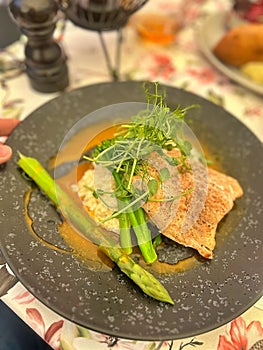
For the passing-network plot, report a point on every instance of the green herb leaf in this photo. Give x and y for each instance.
(152, 187)
(164, 174)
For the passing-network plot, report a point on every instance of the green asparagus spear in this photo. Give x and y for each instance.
(138, 222)
(125, 236)
(143, 234)
(146, 281)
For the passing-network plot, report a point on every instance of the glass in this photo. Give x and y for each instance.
(156, 28)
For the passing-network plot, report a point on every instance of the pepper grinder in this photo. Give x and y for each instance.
(45, 60)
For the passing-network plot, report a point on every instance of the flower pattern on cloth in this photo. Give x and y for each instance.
(78, 338)
(180, 65)
(36, 315)
(159, 66)
(24, 298)
(51, 334)
(239, 336)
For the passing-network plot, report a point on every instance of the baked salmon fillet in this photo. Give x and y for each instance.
(202, 197)
(187, 206)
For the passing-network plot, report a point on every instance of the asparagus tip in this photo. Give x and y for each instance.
(20, 155)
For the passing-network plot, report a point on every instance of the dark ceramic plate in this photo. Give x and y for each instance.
(207, 296)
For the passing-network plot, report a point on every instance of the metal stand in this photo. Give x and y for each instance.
(113, 70)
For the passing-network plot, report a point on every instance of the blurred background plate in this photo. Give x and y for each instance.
(209, 32)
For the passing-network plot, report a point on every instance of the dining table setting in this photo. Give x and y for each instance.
(66, 70)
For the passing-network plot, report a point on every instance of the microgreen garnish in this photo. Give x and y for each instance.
(126, 155)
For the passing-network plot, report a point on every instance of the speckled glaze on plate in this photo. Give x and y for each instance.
(206, 297)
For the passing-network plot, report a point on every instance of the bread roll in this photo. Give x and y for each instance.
(241, 45)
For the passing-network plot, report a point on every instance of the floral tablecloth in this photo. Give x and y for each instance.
(180, 64)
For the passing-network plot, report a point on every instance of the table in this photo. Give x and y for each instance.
(180, 64)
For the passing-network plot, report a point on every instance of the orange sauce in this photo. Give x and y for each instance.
(83, 141)
(164, 268)
(85, 250)
(29, 222)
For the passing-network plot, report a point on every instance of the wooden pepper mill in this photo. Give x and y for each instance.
(44, 58)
